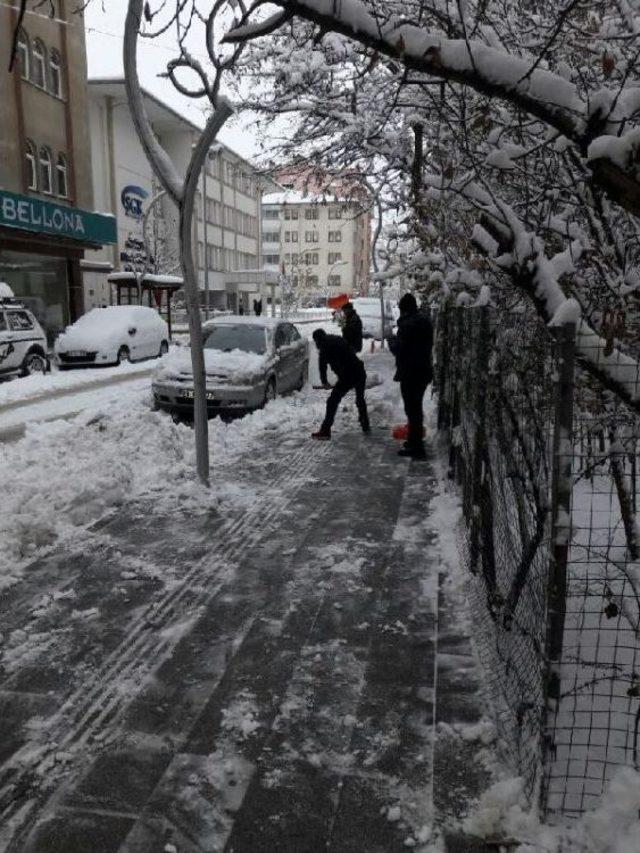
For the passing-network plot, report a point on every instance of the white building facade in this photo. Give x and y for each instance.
(321, 244)
(226, 230)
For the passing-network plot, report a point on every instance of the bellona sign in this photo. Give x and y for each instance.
(28, 213)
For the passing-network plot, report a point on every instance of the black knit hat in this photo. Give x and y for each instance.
(319, 335)
(408, 304)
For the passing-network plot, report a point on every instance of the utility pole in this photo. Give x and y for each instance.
(204, 236)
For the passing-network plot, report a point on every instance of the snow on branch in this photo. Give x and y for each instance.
(522, 255)
(489, 70)
(157, 156)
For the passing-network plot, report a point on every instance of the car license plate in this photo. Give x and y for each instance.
(189, 394)
(76, 353)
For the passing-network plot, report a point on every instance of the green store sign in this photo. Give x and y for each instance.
(29, 213)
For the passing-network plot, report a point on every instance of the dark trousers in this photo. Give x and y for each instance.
(412, 391)
(340, 389)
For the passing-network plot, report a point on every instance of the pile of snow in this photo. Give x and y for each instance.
(5, 291)
(612, 827)
(65, 475)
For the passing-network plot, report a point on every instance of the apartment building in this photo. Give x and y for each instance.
(321, 242)
(226, 231)
(47, 218)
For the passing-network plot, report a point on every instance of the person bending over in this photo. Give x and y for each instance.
(335, 352)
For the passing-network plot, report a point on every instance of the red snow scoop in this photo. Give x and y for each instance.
(401, 432)
(336, 302)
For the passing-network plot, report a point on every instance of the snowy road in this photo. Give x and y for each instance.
(15, 419)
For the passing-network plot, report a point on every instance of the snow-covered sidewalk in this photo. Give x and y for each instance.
(253, 666)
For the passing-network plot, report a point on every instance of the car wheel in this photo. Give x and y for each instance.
(304, 377)
(124, 355)
(33, 363)
(270, 392)
(164, 349)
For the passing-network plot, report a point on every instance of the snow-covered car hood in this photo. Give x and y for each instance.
(235, 366)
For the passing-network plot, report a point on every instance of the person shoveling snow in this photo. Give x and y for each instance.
(335, 352)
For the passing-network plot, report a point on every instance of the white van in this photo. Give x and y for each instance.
(23, 343)
(368, 309)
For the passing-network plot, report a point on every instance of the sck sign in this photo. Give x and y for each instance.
(132, 198)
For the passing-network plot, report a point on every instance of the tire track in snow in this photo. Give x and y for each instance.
(98, 702)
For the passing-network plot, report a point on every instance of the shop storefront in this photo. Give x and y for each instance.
(41, 246)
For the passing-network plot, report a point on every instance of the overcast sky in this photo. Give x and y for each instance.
(104, 56)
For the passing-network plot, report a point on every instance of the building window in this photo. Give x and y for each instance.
(271, 237)
(291, 213)
(335, 236)
(272, 214)
(335, 213)
(55, 73)
(312, 280)
(45, 170)
(272, 259)
(334, 281)
(312, 213)
(39, 64)
(311, 236)
(61, 174)
(23, 54)
(32, 171)
(294, 259)
(311, 259)
(229, 173)
(334, 257)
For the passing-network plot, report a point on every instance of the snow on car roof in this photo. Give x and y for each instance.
(112, 316)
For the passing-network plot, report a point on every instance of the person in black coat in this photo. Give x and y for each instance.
(257, 307)
(352, 327)
(412, 349)
(335, 352)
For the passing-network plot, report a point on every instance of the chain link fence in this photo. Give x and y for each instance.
(546, 467)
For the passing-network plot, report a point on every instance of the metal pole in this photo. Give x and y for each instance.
(204, 236)
(561, 489)
(381, 315)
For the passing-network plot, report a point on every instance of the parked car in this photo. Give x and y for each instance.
(23, 343)
(248, 361)
(368, 309)
(112, 335)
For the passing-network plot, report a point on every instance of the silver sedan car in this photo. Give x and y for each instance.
(248, 361)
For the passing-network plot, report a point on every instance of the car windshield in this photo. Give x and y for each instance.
(228, 337)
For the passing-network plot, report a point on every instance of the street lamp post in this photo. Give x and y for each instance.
(211, 153)
(204, 237)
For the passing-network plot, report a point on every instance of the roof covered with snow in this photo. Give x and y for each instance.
(297, 197)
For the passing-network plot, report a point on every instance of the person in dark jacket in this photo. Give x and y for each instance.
(352, 327)
(412, 349)
(335, 352)
(257, 307)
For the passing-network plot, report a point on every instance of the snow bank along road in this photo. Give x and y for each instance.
(273, 665)
(44, 398)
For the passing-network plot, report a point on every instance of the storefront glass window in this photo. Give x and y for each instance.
(41, 283)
